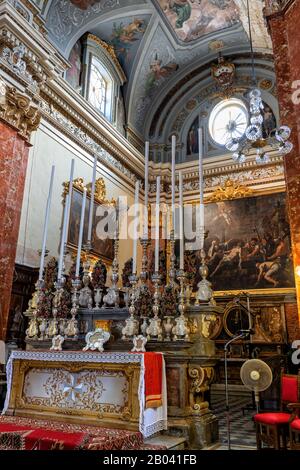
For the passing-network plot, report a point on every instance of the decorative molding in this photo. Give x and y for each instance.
(229, 191)
(217, 177)
(18, 111)
(84, 140)
(20, 61)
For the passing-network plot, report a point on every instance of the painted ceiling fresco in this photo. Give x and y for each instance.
(193, 19)
(158, 42)
(125, 35)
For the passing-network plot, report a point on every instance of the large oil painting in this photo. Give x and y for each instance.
(192, 19)
(248, 244)
(102, 248)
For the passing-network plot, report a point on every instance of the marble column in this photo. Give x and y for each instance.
(18, 118)
(285, 33)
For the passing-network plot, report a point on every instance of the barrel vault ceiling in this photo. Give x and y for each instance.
(161, 44)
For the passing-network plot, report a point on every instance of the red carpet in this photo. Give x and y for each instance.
(31, 434)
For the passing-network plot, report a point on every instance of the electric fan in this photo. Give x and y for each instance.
(257, 376)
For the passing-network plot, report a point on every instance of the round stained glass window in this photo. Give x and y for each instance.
(228, 120)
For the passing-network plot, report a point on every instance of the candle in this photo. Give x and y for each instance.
(70, 192)
(91, 213)
(80, 233)
(156, 269)
(146, 190)
(46, 224)
(135, 225)
(63, 237)
(173, 178)
(181, 222)
(201, 186)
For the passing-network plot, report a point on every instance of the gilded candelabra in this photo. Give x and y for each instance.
(144, 271)
(172, 270)
(205, 292)
(32, 331)
(71, 329)
(53, 324)
(112, 298)
(131, 327)
(181, 330)
(154, 330)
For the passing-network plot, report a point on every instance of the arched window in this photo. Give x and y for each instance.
(100, 87)
(96, 73)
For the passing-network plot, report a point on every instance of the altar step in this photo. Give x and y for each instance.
(167, 442)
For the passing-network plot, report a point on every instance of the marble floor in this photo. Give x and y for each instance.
(242, 430)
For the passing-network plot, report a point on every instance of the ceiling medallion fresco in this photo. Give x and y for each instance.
(193, 19)
(84, 4)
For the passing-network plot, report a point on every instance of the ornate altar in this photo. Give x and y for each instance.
(104, 389)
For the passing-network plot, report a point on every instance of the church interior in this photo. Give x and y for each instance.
(150, 225)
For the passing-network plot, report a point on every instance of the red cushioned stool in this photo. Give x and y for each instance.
(295, 426)
(273, 428)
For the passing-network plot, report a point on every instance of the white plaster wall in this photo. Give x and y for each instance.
(51, 147)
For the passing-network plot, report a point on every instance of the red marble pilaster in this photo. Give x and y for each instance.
(13, 163)
(284, 28)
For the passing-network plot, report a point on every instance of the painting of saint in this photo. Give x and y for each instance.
(73, 74)
(248, 244)
(100, 247)
(192, 19)
(158, 71)
(192, 146)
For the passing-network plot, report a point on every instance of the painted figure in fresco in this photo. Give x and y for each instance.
(183, 10)
(124, 36)
(158, 71)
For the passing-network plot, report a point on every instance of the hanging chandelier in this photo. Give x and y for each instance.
(254, 138)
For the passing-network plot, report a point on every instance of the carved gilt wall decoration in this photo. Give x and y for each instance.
(230, 190)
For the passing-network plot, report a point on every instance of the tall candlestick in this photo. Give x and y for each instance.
(157, 224)
(173, 178)
(136, 222)
(200, 140)
(63, 237)
(91, 213)
(80, 233)
(46, 224)
(70, 194)
(181, 222)
(146, 190)
(201, 187)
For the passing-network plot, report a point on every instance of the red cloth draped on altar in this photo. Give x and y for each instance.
(153, 379)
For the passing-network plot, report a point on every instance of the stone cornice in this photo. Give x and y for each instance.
(39, 53)
(63, 97)
(17, 110)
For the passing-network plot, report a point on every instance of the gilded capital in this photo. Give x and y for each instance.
(18, 110)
